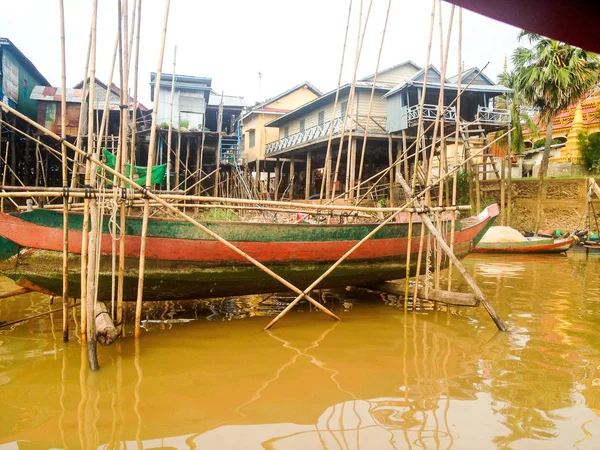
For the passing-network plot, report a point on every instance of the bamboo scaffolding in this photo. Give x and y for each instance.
(63, 135)
(150, 195)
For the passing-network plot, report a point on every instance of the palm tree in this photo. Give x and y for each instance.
(550, 77)
(519, 114)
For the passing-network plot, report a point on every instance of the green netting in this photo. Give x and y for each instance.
(139, 172)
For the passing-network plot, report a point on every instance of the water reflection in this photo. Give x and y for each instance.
(380, 379)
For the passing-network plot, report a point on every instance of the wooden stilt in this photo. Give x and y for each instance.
(292, 177)
(308, 175)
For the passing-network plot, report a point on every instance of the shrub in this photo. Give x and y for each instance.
(542, 143)
(184, 124)
(164, 125)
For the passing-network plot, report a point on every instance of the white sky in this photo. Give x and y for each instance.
(288, 41)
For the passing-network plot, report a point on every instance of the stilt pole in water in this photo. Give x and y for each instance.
(151, 153)
(88, 259)
(63, 135)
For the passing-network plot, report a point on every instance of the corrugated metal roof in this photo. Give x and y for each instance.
(233, 101)
(53, 94)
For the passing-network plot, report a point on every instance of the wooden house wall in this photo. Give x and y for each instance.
(312, 117)
(398, 75)
(49, 116)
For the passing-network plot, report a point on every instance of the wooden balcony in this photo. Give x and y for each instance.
(320, 132)
(492, 116)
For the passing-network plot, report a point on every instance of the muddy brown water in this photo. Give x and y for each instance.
(380, 379)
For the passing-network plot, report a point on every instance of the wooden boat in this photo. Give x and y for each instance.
(182, 262)
(530, 245)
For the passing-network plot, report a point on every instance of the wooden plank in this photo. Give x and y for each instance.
(437, 295)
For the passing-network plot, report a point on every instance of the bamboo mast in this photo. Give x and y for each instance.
(350, 104)
(151, 153)
(416, 159)
(135, 87)
(91, 212)
(326, 180)
(169, 136)
(122, 158)
(364, 146)
(63, 148)
(455, 176)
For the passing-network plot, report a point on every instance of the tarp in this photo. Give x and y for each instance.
(139, 172)
(502, 234)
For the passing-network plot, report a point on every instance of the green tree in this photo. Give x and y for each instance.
(551, 75)
(589, 144)
(519, 114)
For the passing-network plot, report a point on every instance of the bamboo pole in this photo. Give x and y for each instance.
(170, 132)
(364, 146)
(420, 133)
(4, 172)
(326, 180)
(78, 140)
(90, 238)
(455, 176)
(135, 88)
(351, 99)
(121, 163)
(63, 148)
(151, 152)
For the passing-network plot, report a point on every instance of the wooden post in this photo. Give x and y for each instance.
(391, 176)
(502, 192)
(218, 151)
(509, 180)
(352, 178)
(151, 153)
(63, 135)
(178, 159)
(169, 136)
(277, 178)
(477, 187)
(308, 175)
(292, 177)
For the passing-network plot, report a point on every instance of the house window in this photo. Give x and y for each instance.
(286, 131)
(321, 119)
(251, 139)
(344, 108)
(302, 125)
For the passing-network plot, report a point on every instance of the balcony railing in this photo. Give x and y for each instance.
(430, 112)
(376, 126)
(492, 115)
